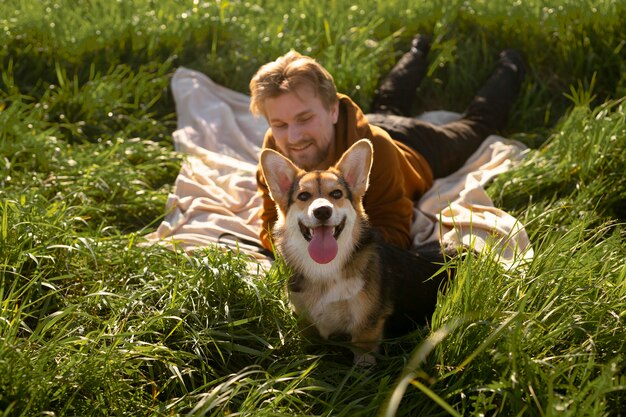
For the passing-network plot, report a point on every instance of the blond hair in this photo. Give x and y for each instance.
(287, 74)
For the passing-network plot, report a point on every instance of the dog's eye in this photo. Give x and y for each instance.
(336, 194)
(304, 196)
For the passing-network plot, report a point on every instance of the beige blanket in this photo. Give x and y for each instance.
(215, 199)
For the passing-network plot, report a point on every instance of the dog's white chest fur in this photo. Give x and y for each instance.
(334, 309)
(341, 290)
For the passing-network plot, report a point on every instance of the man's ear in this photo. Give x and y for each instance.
(355, 166)
(334, 112)
(280, 173)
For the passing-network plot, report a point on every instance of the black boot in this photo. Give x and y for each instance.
(399, 88)
(493, 102)
(513, 60)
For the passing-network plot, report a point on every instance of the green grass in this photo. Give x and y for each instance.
(93, 323)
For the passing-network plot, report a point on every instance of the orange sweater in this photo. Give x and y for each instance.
(399, 177)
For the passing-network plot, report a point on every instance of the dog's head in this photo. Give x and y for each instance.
(320, 210)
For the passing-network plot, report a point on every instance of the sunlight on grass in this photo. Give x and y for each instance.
(93, 323)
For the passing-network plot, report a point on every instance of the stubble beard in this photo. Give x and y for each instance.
(314, 161)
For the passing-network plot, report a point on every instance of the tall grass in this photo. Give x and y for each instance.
(93, 323)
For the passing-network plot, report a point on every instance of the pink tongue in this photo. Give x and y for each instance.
(323, 246)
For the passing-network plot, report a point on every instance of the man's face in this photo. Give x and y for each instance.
(303, 128)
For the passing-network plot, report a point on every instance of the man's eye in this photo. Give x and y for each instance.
(304, 196)
(336, 194)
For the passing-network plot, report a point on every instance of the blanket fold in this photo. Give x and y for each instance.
(215, 199)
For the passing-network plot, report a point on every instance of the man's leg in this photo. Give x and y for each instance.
(399, 88)
(493, 102)
(447, 147)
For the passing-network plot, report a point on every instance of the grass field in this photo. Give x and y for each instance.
(92, 324)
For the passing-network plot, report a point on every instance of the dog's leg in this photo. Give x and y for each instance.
(366, 343)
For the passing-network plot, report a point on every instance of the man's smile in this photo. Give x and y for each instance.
(301, 147)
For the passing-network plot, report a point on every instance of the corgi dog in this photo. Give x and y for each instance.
(345, 281)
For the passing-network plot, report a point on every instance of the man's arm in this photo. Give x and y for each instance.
(388, 207)
(268, 211)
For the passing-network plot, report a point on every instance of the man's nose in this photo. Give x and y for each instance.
(294, 134)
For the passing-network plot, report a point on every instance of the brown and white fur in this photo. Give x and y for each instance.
(356, 291)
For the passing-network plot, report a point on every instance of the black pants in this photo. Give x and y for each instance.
(445, 147)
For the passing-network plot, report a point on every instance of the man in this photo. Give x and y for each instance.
(313, 125)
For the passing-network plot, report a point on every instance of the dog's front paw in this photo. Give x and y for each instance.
(364, 360)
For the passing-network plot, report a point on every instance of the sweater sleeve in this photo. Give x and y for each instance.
(268, 213)
(388, 207)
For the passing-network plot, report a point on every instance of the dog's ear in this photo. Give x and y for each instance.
(280, 173)
(355, 165)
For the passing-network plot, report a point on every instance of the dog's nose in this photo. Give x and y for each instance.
(322, 213)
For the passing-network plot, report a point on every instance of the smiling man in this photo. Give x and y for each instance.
(313, 125)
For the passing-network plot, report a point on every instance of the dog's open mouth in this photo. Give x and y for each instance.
(307, 233)
(322, 241)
